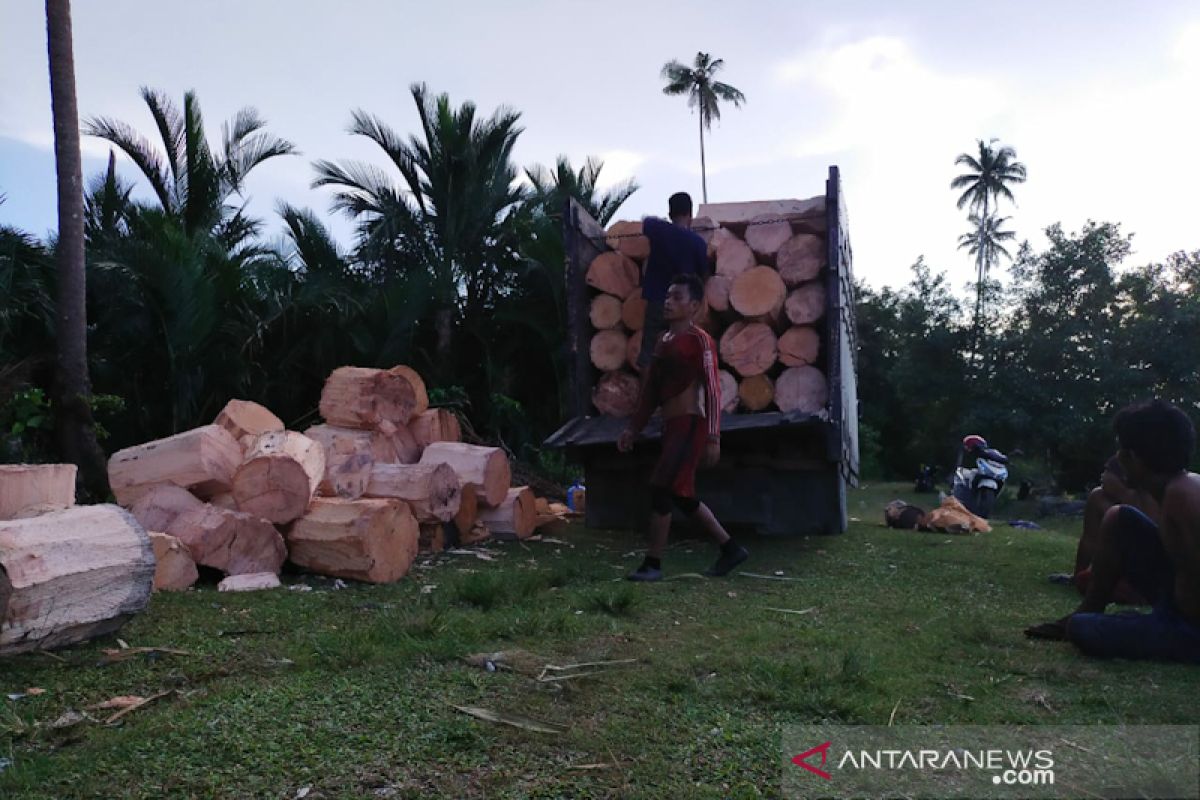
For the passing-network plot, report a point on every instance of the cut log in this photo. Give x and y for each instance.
(478, 533)
(160, 505)
(69, 575)
(515, 517)
(373, 540)
(626, 238)
(806, 304)
(255, 582)
(431, 490)
(402, 442)
(608, 350)
(486, 468)
(801, 389)
(756, 392)
(432, 537)
(24, 486)
(633, 311)
(435, 425)
(451, 426)
(716, 293)
(800, 259)
(806, 214)
(468, 510)
(717, 238)
(749, 347)
(704, 228)
(605, 311)
(757, 292)
(223, 500)
(729, 391)
(734, 257)
(231, 541)
(361, 397)
(420, 394)
(766, 233)
(616, 394)
(203, 460)
(799, 346)
(633, 349)
(174, 569)
(348, 462)
(246, 420)
(613, 273)
(280, 476)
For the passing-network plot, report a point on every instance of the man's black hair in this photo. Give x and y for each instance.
(1160, 434)
(694, 285)
(680, 205)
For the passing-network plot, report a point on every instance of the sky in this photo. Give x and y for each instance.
(1100, 99)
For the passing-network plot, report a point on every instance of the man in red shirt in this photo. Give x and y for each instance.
(682, 379)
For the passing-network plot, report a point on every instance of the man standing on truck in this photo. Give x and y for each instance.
(682, 379)
(674, 250)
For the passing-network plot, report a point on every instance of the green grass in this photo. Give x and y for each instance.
(351, 692)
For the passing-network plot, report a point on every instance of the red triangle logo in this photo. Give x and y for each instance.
(802, 760)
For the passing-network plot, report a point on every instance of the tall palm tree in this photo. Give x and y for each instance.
(192, 182)
(986, 180)
(74, 423)
(458, 184)
(985, 240)
(704, 94)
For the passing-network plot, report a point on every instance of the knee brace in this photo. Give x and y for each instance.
(687, 505)
(660, 500)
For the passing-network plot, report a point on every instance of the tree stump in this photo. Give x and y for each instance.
(633, 311)
(756, 392)
(806, 305)
(734, 257)
(614, 273)
(605, 312)
(801, 389)
(607, 350)
(203, 460)
(766, 233)
(279, 477)
(799, 346)
(757, 292)
(431, 490)
(24, 487)
(515, 517)
(749, 347)
(626, 238)
(361, 397)
(486, 468)
(372, 540)
(246, 420)
(616, 394)
(800, 259)
(231, 541)
(66, 576)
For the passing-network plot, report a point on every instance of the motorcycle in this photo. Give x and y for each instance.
(978, 488)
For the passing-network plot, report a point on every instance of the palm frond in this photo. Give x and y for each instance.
(139, 151)
(170, 126)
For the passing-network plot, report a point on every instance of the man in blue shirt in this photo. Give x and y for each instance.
(674, 250)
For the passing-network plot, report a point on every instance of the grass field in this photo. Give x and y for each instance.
(352, 692)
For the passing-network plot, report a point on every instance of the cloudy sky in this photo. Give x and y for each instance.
(1099, 98)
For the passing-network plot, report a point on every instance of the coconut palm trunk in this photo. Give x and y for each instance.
(73, 418)
(703, 168)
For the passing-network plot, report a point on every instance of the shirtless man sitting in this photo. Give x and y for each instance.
(1160, 561)
(682, 379)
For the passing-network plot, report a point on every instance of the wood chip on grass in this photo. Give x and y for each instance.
(513, 720)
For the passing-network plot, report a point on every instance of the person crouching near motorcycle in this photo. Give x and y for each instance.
(1160, 560)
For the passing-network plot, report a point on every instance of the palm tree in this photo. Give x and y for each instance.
(551, 188)
(458, 184)
(192, 182)
(704, 94)
(76, 428)
(987, 179)
(987, 233)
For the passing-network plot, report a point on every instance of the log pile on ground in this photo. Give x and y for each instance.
(765, 305)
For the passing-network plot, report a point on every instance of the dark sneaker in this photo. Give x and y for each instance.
(726, 562)
(645, 574)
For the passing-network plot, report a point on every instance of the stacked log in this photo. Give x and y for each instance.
(372, 540)
(764, 303)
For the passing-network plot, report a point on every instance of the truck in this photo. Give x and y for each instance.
(780, 474)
